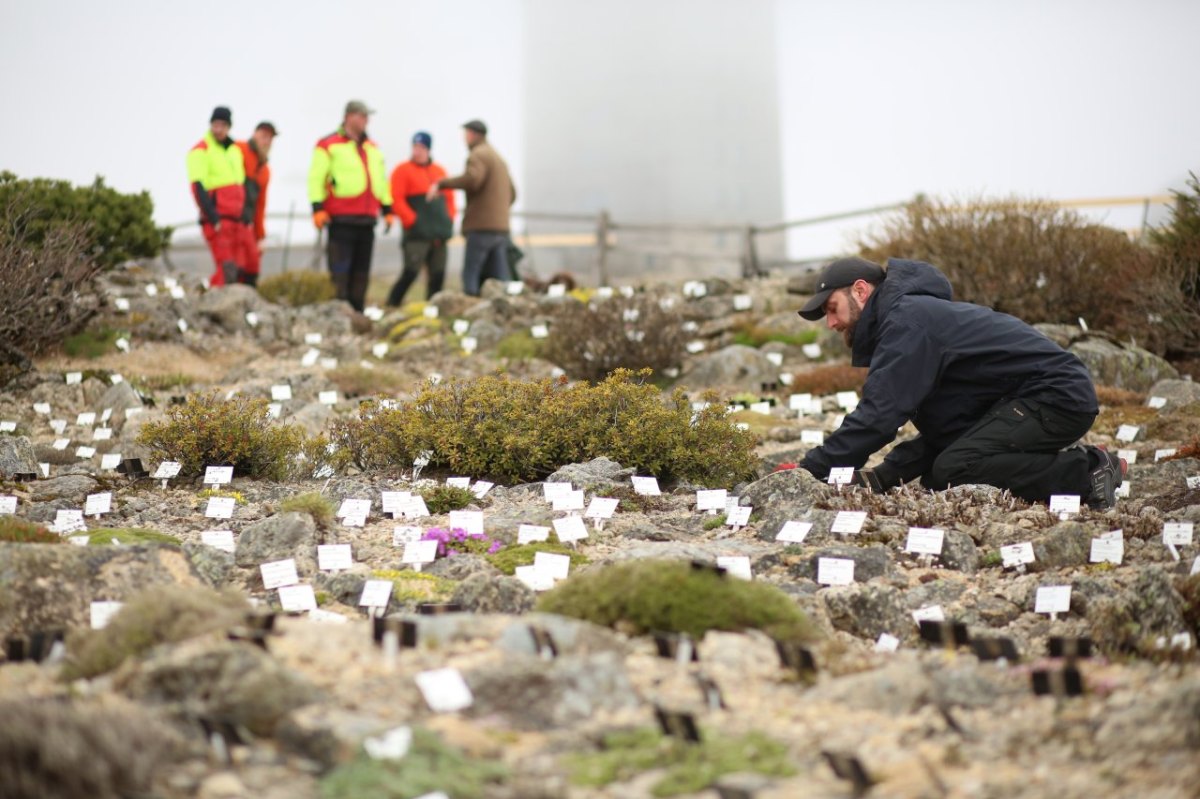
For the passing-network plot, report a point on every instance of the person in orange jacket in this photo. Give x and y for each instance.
(217, 174)
(427, 224)
(255, 152)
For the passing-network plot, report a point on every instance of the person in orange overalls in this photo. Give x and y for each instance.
(217, 176)
(427, 225)
(255, 152)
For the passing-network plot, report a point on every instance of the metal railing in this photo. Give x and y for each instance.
(601, 232)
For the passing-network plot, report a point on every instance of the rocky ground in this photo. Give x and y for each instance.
(922, 720)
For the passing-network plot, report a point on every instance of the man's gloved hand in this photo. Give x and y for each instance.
(320, 219)
(869, 479)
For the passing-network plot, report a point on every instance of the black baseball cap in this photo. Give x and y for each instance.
(477, 126)
(838, 275)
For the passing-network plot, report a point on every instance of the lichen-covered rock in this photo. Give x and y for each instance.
(1123, 366)
(17, 457)
(866, 611)
(783, 496)
(597, 475)
(1064, 544)
(285, 535)
(484, 593)
(1176, 392)
(735, 366)
(869, 562)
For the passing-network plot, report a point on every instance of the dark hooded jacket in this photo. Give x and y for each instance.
(942, 365)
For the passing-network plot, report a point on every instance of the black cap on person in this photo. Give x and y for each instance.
(838, 275)
(223, 114)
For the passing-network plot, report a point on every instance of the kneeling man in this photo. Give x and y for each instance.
(995, 401)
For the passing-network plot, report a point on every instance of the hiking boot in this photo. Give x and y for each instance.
(1105, 479)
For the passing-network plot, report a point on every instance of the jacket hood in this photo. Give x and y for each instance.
(902, 279)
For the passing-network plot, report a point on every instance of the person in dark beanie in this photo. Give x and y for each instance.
(428, 224)
(995, 401)
(490, 192)
(216, 174)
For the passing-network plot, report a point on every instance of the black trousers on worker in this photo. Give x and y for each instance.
(417, 254)
(349, 253)
(1018, 445)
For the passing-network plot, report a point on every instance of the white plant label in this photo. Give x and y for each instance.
(848, 522)
(373, 312)
(925, 541)
(86, 419)
(570, 528)
(121, 303)
(1053, 599)
(530, 533)
(470, 344)
(278, 573)
(929, 613)
(534, 579)
(1107, 550)
(331, 557)
(379, 350)
(282, 392)
(41, 408)
(847, 400)
(1160, 454)
(403, 536)
(8, 427)
(480, 488)
(794, 532)
(376, 594)
(166, 470)
(786, 378)
(74, 378)
(393, 501)
(252, 318)
(835, 571)
(695, 346)
(312, 338)
(68, 521)
(61, 443)
(763, 408)
(469, 520)
(8, 505)
(461, 326)
(102, 612)
(646, 486)
(217, 475)
(102, 434)
(556, 290)
(181, 324)
(97, 504)
(354, 507)
(736, 565)
(550, 491)
(1178, 533)
(799, 402)
(814, 438)
(1015, 555)
(219, 507)
(556, 566)
(841, 476)
(414, 508)
(1064, 503)
(1122, 491)
(445, 690)
(327, 398)
(539, 331)
(742, 302)
(218, 539)
(1157, 402)
(430, 312)
(811, 351)
(1128, 455)
(571, 500)
(110, 461)
(85, 452)
(601, 508)
(1127, 432)
(711, 499)
(419, 552)
(58, 425)
(738, 516)
(887, 643)
(297, 598)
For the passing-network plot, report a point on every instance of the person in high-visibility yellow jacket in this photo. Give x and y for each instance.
(349, 190)
(217, 176)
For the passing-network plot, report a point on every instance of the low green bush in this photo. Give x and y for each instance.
(444, 498)
(755, 335)
(519, 346)
(128, 536)
(429, 766)
(592, 341)
(508, 559)
(207, 430)
(91, 344)
(297, 287)
(159, 615)
(19, 531)
(689, 767)
(519, 431)
(356, 380)
(314, 503)
(672, 596)
(412, 586)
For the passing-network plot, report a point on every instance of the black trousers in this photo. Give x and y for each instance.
(430, 254)
(1018, 445)
(349, 253)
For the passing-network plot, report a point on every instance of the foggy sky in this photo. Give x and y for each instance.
(877, 100)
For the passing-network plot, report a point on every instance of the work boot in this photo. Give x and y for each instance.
(231, 272)
(1105, 479)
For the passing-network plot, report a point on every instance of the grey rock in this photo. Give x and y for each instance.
(869, 562)
(327, 734)
(460, 567)
(231, 681)
(483, 593)
(907, 684)
(783, 496)
(533, 694)
(570, 636)
(734, 367)
(486, 333)
(1176, 392)
(959, 552)
(866, 611)
(1158, 720)
(72, 487)
(213, 565)
(1125, 366)
(1062, 335)
(17, 456)
(313, 418)
(1134, 617)
(120, 397)
(344, 586)
(227, 306)
(330, 319)
(284, 535)
(1064, 544)
(598, 475)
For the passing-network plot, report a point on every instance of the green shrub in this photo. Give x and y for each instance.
(129, 536)
(91, 344)
(314, 504)
(520, 346)
(429, 766)
(159, 615)
(166, 382)
(206, 430)
(672, 596)
(356, 380)
(593, 341)
(508, 559)
(119, 227)
(297, 287)
(514, 431)
(444, 498)
(690, 767)
(412, 586)
(1178, 242)
(997, 252)
(237, 496)
(19, 531)
(750, 334)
